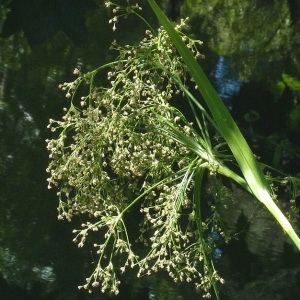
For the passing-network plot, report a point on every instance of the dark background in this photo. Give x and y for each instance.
(252, 51)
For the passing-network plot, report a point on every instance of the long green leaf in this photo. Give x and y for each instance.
(228, 128)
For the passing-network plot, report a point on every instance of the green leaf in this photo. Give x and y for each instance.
(228, 128)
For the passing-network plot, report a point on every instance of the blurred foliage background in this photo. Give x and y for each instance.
(252, 51)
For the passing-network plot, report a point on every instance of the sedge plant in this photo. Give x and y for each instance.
(132, 165)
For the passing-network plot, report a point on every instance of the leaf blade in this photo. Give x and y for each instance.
(228, 128)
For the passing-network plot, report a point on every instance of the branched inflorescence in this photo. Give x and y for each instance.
(113, 152)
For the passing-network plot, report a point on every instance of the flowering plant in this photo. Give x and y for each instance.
(124, 148)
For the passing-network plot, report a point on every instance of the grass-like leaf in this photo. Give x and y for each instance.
(247, 162)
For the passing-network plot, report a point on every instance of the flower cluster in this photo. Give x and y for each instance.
(120, 11)
(114, 151)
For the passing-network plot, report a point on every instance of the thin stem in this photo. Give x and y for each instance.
(196, 198)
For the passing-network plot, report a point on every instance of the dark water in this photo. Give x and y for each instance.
(252, 51)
